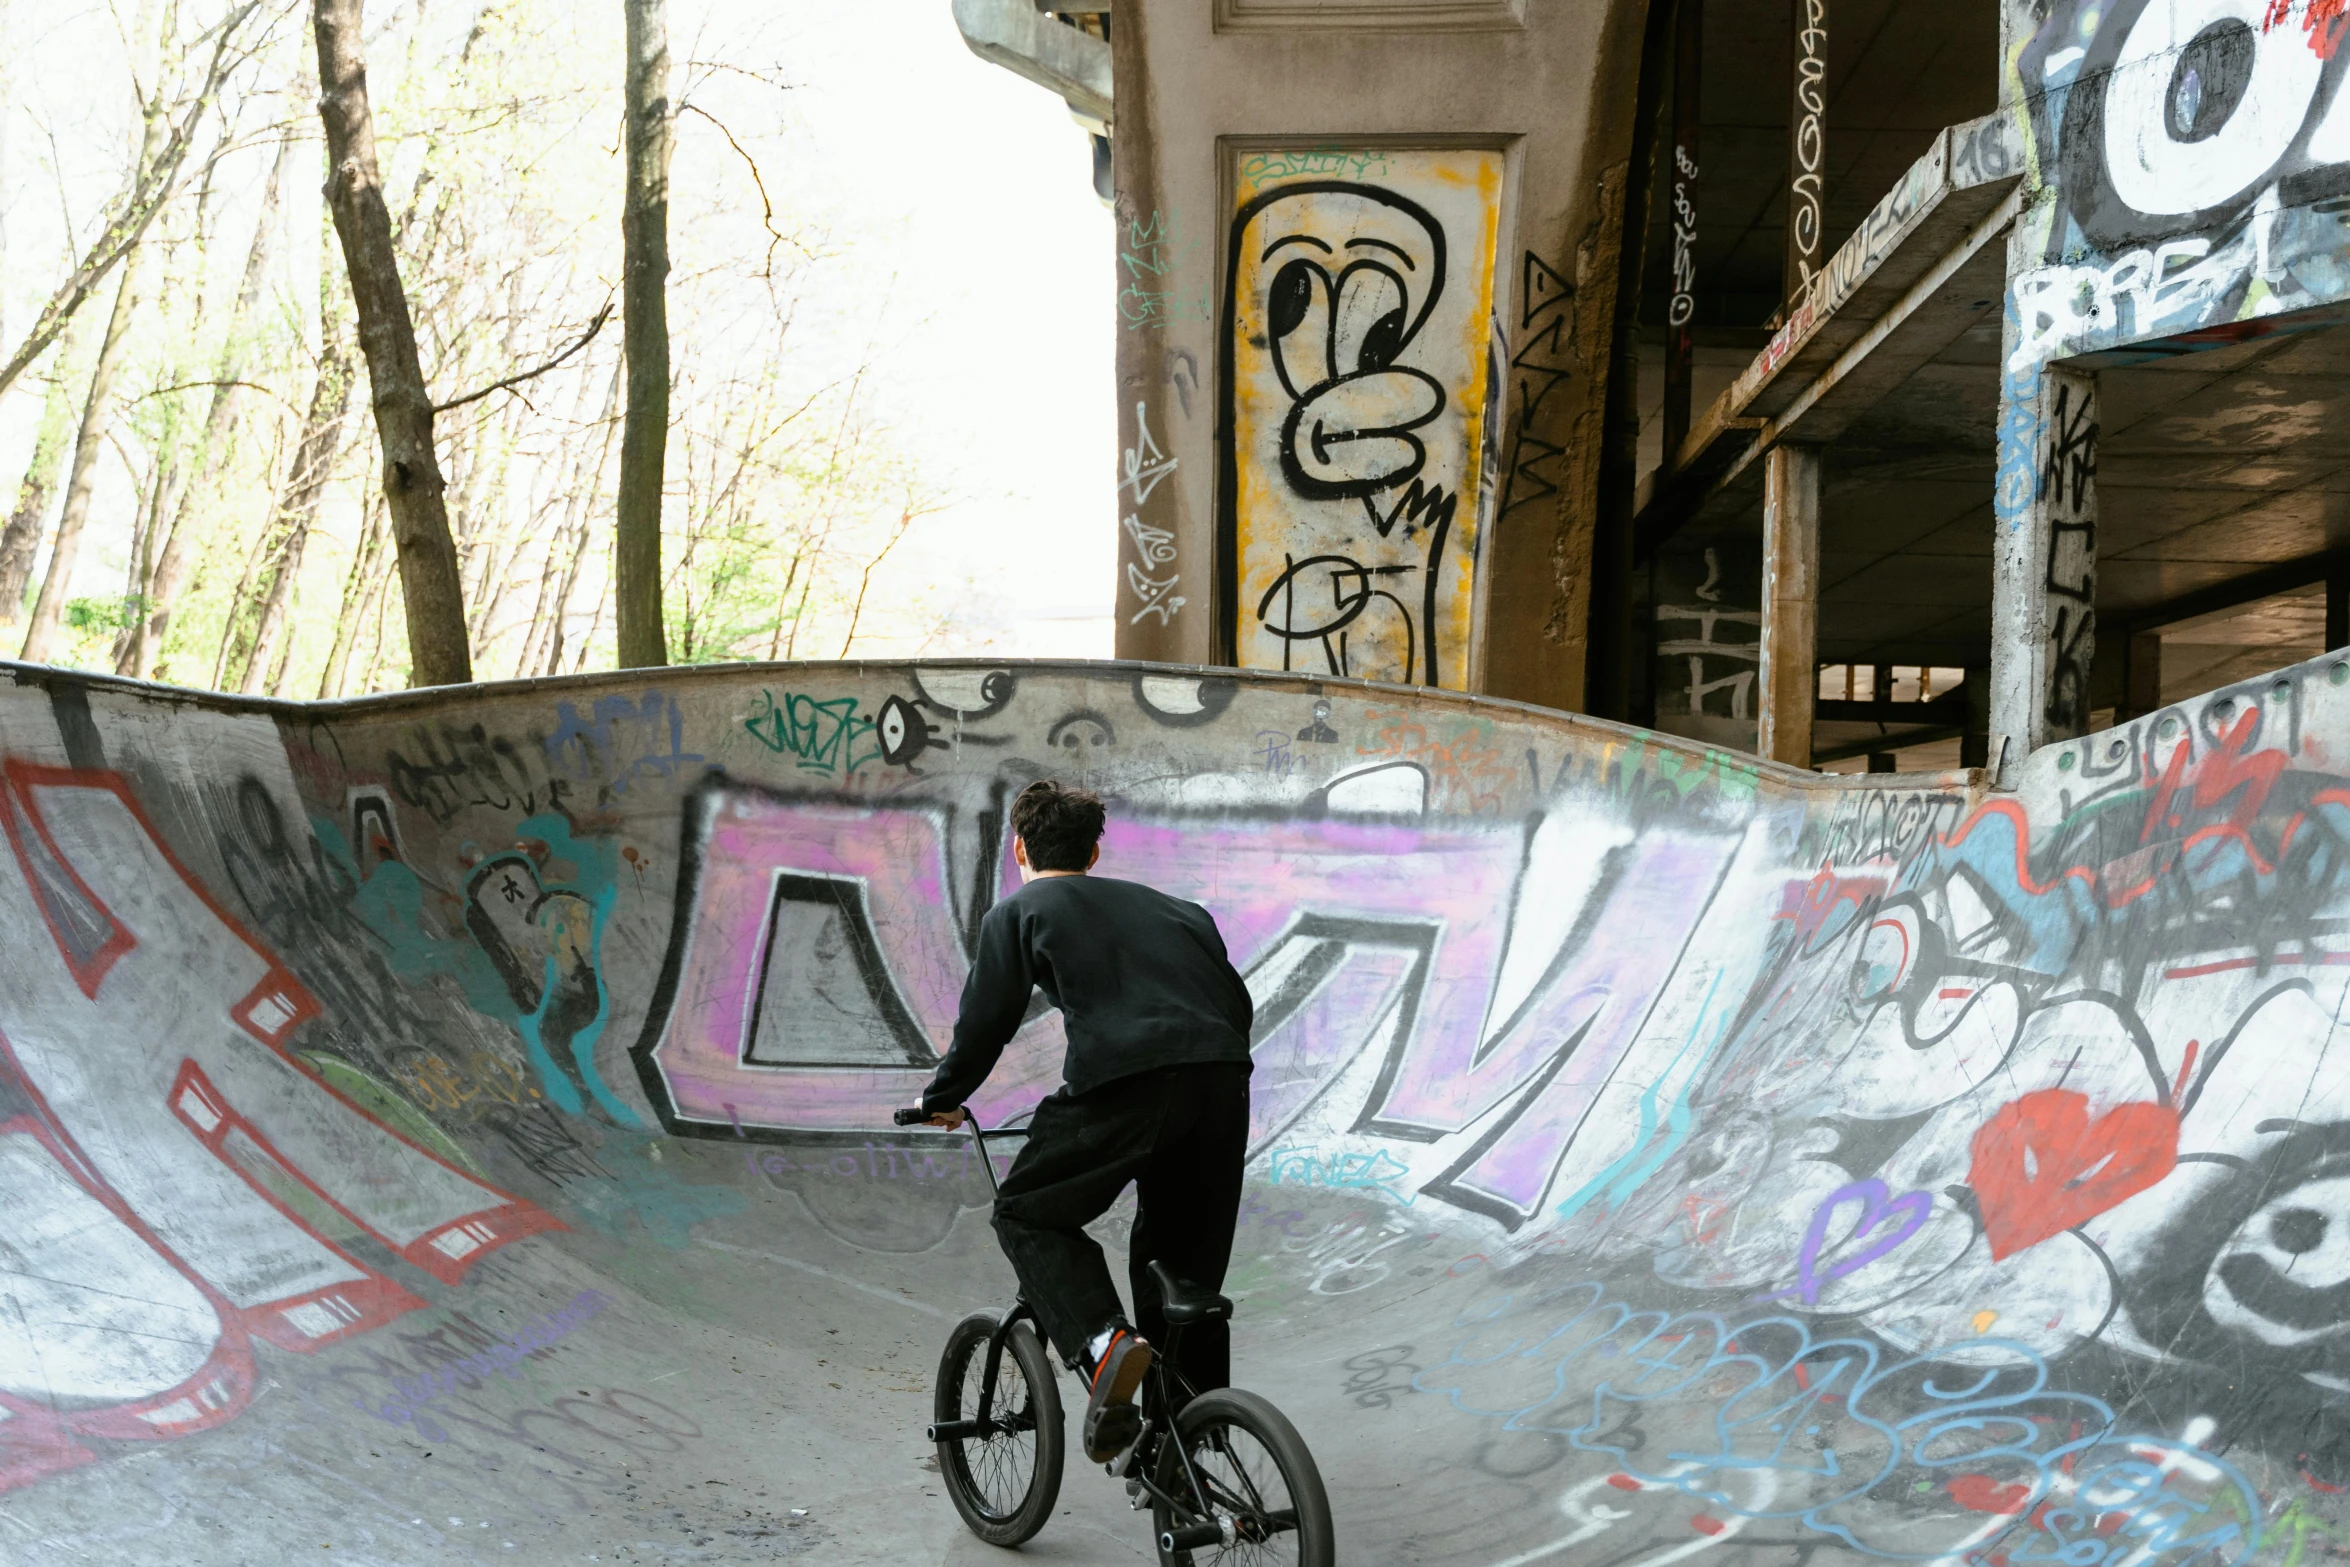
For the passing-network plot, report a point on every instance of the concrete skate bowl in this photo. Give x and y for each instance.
(452, 1127)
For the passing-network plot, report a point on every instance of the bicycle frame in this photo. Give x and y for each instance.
(1162, 1387)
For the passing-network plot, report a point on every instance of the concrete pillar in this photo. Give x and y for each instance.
(1791, 602)
(1681, 311)
(1496, 135)
(1807, 151)
(1974, 747)
(2142, 675)
(2044, 564)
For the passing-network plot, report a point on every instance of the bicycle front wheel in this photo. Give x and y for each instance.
(1258, 1486)
(1005, 1482)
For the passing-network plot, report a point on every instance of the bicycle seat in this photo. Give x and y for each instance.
(1187, 1302)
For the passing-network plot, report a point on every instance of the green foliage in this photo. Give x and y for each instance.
(89, 617)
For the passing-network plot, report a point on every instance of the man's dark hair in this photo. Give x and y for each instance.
(1060, 825)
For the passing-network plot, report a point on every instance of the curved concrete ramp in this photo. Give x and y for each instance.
(452, 1128)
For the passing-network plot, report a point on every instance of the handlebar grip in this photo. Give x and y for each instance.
(912, 1115)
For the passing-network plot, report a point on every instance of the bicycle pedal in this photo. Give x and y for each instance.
(1136, 1497)
(1118, 1466)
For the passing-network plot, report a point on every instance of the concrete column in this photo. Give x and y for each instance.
(1807, 151)
(1791, 602)
(2044, 564)
(1974, 747)
(2142, 675)
(1681, 311)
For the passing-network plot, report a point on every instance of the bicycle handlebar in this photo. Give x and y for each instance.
(915, 1115)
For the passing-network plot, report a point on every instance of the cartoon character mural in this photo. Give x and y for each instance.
(1356, 378)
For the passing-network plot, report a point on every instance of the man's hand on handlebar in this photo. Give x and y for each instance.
(945, 1120)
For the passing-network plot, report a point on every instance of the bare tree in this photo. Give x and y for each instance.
(360, 586)
(644, 445)
(142, 642)
(413, 486)
(41, 636)
(314, 462)
(22, 536)
(152, 180)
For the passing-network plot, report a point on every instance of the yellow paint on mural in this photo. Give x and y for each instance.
(1361, 297)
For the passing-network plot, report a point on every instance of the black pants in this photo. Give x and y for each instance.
(1181, 1135)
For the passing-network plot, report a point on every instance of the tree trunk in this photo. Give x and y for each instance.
(644, 444)
(314, 461)
(22, 537)
(145, 647)
(358, 589)
(42, 636)
(413, 486)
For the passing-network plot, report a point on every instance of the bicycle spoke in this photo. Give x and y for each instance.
(1001, 1466)
(1242, 1480)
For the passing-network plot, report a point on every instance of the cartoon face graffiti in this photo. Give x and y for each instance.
(1356, 377)
(1340, 314)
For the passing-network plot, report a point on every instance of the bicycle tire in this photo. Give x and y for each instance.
(1205, 1425)
(984, 1476)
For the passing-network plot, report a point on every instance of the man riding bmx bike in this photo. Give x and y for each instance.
(1155, 1091)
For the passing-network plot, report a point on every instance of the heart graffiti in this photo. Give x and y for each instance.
(2041, 1166)
(1885, 1222)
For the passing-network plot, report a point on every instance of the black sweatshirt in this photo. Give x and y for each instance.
(1141, 980)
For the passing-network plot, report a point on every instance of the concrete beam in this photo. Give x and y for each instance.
(1916, 262)
(2268, 581)
(1791, 603)
(1963, 289)
(1026, 42)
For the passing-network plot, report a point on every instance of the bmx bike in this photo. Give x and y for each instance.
(1225, 1475)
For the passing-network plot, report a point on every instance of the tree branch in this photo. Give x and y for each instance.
(150, 186)
(189, 386)
(775, 236)
(512, 381)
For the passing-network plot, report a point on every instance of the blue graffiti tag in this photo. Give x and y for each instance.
(1376, 1171)
(1708, 1407)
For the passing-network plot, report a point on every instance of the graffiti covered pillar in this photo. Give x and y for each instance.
(1807, 150)
(2044, 562)
(1681, 313)
(1376, 450)
(1356, 382)
(1791, 602)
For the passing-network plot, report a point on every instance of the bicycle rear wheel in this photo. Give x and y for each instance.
(1261, 1483)
(1004, 1483)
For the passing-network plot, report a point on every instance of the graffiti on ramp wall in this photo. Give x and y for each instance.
(181, 1182)
(1904, 1106)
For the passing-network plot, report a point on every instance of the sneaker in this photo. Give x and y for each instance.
(1112, 1420)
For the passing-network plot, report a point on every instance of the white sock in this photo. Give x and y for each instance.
(1099, 1344)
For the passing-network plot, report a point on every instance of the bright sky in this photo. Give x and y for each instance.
(980, 278)
(1004, 304)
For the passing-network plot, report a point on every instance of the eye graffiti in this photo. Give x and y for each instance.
(1339, 318)
(2200, 151)
(1356, 389)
